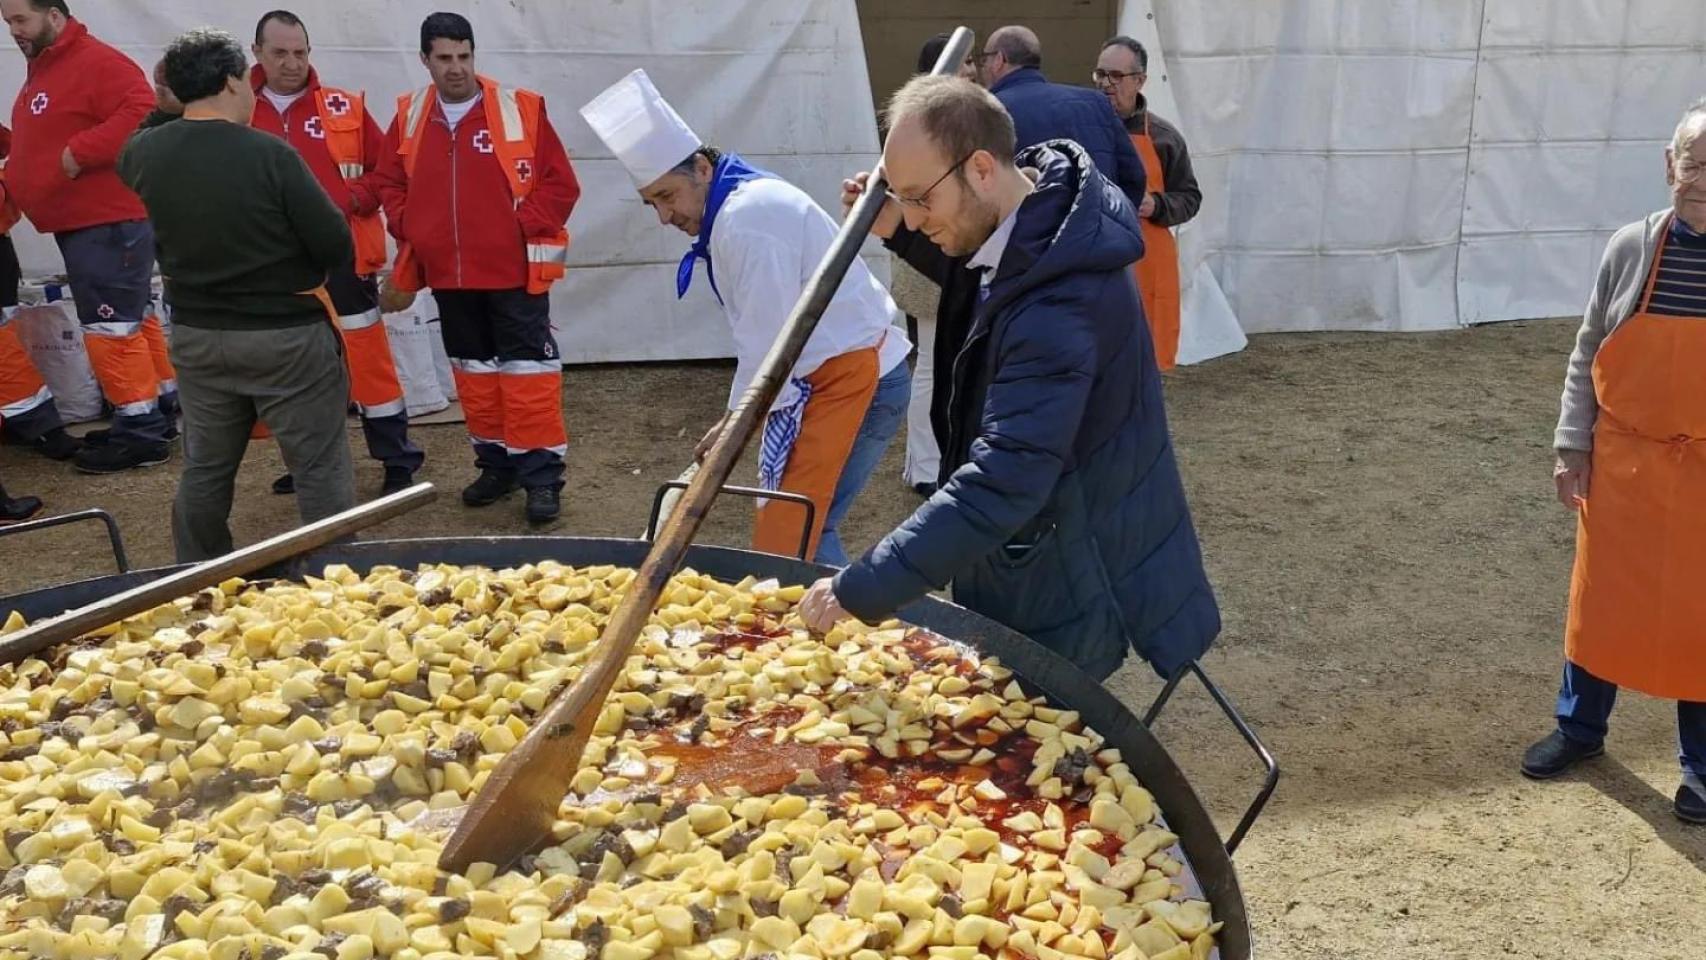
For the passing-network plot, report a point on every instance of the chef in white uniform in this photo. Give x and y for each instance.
(761, 239)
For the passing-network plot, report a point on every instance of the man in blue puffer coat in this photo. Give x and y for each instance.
(1063, 515)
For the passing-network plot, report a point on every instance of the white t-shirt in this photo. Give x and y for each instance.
(454, 112)
(767, 241)
(282, 102)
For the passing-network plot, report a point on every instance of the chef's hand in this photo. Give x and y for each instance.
(392, 300)
(887, 222)
(819, 608)
(710, 438)
(1146, 209)
(1570, 474)
(69, 163)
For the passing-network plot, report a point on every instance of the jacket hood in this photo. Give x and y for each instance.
(1074, 221)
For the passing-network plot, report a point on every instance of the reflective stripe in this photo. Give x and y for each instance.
(141, 409)
(557, 253)
(518, 451)
(168, 386)
(384, 409)
(413, 121)
(351, 171)
(526, 367)
(510, 111)
(21, 407)
(117, 329)
(474, 366)
(359, 321)
(6, 315)
(484, 440)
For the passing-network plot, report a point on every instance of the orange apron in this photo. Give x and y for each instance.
(1158, 271)
(841, 396)
(1638, 594)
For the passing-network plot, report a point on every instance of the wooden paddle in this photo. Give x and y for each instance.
(76, 623)
(514, 812)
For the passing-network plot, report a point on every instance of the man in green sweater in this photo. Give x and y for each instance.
(246, 236)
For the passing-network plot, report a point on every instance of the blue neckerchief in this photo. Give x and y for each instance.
(731, 171)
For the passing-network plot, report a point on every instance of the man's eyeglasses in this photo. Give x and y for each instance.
(1110, 77)
(922, 201)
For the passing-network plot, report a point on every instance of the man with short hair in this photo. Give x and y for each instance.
(81, 99)
(247, 238)
(1173, 197)
(1632, 464)
(342, 144)
(761, 237)
(1011, 66)
(1063, 515)
(476, 188)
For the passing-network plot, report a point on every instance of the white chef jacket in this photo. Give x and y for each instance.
(766, 241)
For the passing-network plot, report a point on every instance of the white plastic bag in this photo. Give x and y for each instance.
(54, 341)
(412, 347)
(427, 307)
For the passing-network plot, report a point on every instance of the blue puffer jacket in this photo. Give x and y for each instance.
(1044, 111)
(1064, 516)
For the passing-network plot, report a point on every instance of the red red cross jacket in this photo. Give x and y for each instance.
(82, 93)
(300, 126)
(458, 211)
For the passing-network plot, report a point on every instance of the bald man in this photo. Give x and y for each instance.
(1011, 67)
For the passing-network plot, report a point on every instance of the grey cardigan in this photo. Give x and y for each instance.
(1616, 295)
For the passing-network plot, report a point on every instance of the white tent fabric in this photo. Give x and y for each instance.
(1421, 164)
(781, 81)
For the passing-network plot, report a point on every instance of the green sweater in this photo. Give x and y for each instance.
(244, 230)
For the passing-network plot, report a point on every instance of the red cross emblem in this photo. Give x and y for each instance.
(483, 141)
(105, 312)
(312, 127)
(523, 171)
(337, 104)
(38, 104)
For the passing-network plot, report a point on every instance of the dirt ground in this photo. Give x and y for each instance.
(1377, 517)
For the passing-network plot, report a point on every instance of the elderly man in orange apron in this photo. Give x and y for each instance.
(1172, 198)
(1632, 462)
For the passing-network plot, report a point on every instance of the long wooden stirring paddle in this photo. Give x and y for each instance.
(514, 812)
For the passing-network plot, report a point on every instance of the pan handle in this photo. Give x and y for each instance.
(752, 493)
(120, 558)
(1244, 730)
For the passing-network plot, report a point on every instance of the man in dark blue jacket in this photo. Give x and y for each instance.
(1011, 67)
(1062, 514)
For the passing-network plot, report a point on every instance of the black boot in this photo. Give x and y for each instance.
(544, 504)
(56, 444)
(1690, 805)
(116, 457)
(1556, 754)
(397, 479)
(489, 488)
(17, 510)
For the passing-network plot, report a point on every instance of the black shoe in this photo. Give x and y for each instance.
(925, 490)
(1690, 805)
(119, 457)
(544, 504)
(56, 444)
(284, 486)
(488, 489)
(1556, 754)
(22, 508)
(397, 479)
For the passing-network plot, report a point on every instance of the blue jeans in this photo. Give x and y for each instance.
(1584, 715)
(882, 422)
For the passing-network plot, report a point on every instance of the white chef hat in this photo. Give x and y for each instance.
(640, 128)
